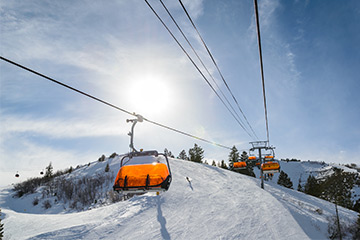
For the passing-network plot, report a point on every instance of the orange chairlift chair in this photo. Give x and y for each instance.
(270, 165)
(239, 165)
(142, 171)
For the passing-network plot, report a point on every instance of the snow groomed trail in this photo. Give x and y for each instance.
(215, 204)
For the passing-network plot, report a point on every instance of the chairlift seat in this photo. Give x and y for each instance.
(239, 165)
(270, 167)
(141, 176)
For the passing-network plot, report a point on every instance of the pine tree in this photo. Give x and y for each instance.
(183, 156)
(102, 158)
(196, 154)
(223, 165)
(244, 156)
(168, 153)
(233, 156)
(356, 206)
(213, 163)
(299, 187)
(49, 171)
(284, 180)
(107, 168)
(1, 228)
(337, 188)
(312, 187)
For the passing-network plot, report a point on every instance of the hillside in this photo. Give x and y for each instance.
(217, 204)
(300, 171)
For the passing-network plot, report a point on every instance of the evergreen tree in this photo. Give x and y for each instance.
(356, 206)
(196, 154)
(244, 156)
(233, 156)
(337, 188)
(102, 158)
(284, 180)
(213, 163)
(299, 187)
(49, 171)
(223, 165)
(183, 156)
(168, 153)
(1, 228)
(312, 187)
(107, 168)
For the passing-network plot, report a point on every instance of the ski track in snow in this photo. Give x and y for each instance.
(215, 204)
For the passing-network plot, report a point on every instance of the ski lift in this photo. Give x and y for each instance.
(239, 165)
(142, 171)
(17, 174)
(270, 165)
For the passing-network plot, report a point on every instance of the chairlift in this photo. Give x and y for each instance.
(252, 158)
(270, 165)
(142, 171)
(239, 165)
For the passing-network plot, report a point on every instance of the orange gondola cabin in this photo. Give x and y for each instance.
(141, 172)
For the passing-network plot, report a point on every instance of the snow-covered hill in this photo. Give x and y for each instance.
(300, 171)
(216, 204)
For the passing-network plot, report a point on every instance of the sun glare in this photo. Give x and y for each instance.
(150, 95)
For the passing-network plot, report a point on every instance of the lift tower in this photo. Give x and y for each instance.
(261, 145)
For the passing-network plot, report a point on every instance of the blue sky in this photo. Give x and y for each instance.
(119, 51)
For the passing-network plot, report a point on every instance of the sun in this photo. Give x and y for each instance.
(150, 95)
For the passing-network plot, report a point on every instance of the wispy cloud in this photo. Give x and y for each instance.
(60, 127)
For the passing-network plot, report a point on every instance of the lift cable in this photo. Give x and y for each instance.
(261, 66)
(202, 63)
(112, 105)
(197, 68)
(217, 67)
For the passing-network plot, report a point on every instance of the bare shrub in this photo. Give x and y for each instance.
(35, 201)
(114, 196)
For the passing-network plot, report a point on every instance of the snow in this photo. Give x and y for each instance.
(215, 204)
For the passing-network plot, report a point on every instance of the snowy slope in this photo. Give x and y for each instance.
(217, 204)
(301, 171)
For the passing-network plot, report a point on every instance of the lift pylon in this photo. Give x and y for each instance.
(262, 145)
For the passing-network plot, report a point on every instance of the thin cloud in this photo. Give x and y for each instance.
(59, 128)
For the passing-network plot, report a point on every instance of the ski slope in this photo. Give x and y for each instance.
(216, 204)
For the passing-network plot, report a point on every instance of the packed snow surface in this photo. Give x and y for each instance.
(215, 204)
